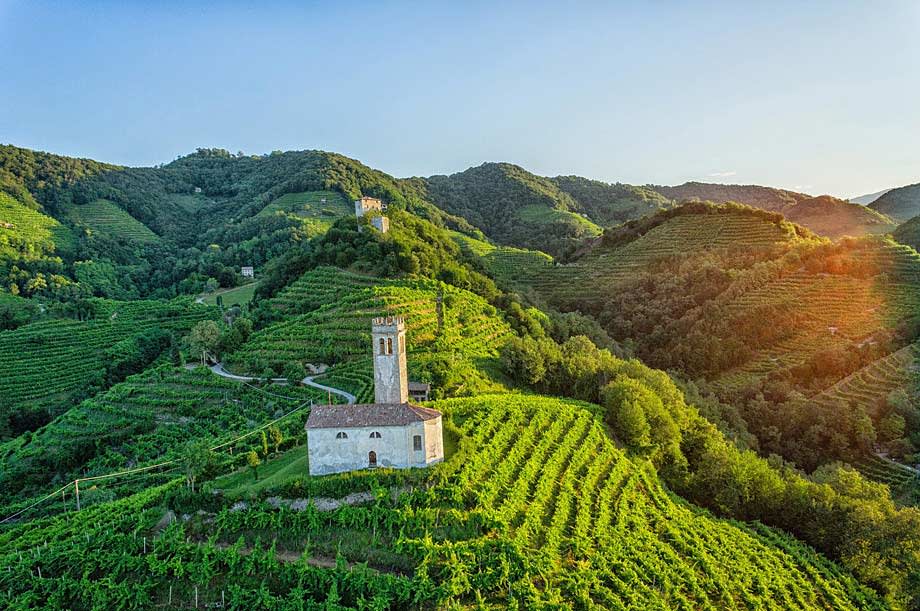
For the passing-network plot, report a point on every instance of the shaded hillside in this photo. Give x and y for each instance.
(512, 206)
(612, 204)
(908, 233)
(742, 301)
(825, 215)
(834, 218)
(765, 198)
(902, 203)
(867, 199)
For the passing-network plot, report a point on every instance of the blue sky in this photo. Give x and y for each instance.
(823, 97)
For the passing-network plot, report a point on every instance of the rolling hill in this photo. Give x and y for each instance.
(825, 215)
(902, 203)
(746, 303)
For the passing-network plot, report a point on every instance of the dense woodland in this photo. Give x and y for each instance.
(721, 353)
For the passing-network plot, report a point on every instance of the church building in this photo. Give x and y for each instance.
(391, 432)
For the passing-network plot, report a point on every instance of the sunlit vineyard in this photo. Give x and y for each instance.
(46, 362)
(678, 236)
(508, 265)
(317, 209)
(536, 507)
(28, 234)
(340, 307)
(903, 481)
(106, 217)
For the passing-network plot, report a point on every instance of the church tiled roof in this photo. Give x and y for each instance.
(368, 414)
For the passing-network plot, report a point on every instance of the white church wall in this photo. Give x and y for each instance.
(434, 441)
(394, 448)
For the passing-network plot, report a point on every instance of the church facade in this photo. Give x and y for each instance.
(391, 432)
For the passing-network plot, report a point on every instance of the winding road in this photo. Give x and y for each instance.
(350, 399)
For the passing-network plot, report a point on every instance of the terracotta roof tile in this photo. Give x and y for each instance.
(368, 414)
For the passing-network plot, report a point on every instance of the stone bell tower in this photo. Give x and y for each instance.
(391, 381)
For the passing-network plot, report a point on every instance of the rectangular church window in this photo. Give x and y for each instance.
(417, 443)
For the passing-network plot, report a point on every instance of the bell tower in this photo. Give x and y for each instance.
(391, 381)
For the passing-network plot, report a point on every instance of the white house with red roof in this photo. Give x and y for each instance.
(391, 432)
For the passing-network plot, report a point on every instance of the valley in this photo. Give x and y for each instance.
(652, 397)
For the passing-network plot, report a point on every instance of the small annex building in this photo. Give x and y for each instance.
(391, 432)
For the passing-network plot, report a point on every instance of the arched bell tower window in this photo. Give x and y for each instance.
(341, 435)
(389, 345)
(382, 346)
(375, 435)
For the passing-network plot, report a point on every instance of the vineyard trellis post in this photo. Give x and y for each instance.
(76, 487)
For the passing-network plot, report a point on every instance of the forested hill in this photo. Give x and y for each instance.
(902, 203)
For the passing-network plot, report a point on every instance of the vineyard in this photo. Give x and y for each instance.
(336, 328)
(145, 419)
(508, 265)
(317, 209)
(681, 235)
(903, 482)
(28, 234)
(46, 362)
(536, 508)
(108, 218)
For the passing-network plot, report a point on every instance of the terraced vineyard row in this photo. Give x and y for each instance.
(30, 234)
(321, 286)
(340, 330)
(900, 479)
(146, 418)
(605, 528)
(537, 508)
(681, 235)
(106, 217)
(869, 386)
(509, 266)
(47, 360)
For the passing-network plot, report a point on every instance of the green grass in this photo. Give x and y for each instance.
(238, 295)
(273, 473)
(106, 217)
(317, 209)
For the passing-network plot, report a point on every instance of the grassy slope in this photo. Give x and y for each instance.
(536, 487)
(237, 295)
(106, 217)
(902, 203)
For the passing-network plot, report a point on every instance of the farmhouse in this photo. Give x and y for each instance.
(391, 432)
(247, 271)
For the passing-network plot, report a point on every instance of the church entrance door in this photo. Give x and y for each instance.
(372, 459)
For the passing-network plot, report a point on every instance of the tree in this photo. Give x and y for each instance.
(294, 372)
(252, 459)
(195, 459)
(275, 433)
(204, 338)
(264, 440)
(623, 399)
